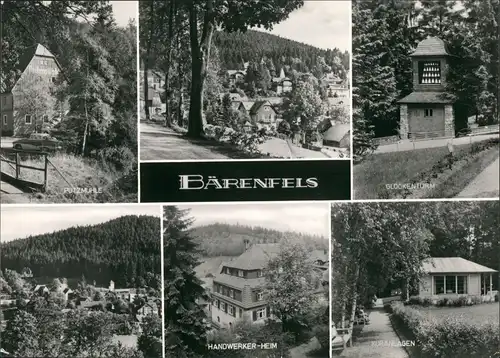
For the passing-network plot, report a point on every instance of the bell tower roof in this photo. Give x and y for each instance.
(432, 46)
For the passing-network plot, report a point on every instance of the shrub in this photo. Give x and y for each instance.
(451, 337)
(496, 297)
(460, 301)
(388, 307)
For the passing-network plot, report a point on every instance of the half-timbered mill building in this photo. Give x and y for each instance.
(22, 112)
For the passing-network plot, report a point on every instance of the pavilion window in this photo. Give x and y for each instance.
(451, 284)
(462, 285)
(439, 285)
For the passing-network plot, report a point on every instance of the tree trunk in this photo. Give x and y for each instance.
(146, 62)
(200, 52)
(172, 11)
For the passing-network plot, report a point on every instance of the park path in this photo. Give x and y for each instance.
(486, 184)
(160, 143)
(304, 350)
(407, 145)
(376, 333)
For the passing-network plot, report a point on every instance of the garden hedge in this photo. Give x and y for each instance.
(449, 337)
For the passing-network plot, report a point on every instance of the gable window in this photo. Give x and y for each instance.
(429, 72)
(240, 273)
(260, 296)
(27, 119)
(259, 273)
(428, 113)
(4, 119)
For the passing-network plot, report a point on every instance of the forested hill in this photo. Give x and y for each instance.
(228, 240)
(126, 250)
(236, 48)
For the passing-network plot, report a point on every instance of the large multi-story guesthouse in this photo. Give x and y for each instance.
(28, 104)
(453, 277)
(261, 113)
(237, 291)
(428, 110)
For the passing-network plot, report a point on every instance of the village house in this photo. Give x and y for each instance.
(38, 69)
(237, 291)
(282, 84)
(428, 110)
(153, 101)
(263, 115)
(452, 277)
(156, 81)
(335, 86)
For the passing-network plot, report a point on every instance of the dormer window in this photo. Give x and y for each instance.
(240, 273)
(429, 72)
(259, 273)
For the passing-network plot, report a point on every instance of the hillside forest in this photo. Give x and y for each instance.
(221, 239)
(125, 250)
(385, 33)
(97, 83)
(194, 44)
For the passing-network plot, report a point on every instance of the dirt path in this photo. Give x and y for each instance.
(486, 184)
(11, 195)
(303, 350)
(377, 340)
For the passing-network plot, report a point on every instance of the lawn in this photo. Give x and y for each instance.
(478, 313)
(427, 165)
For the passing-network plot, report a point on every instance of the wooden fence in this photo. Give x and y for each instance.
(16, 164)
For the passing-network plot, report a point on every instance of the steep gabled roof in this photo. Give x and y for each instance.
(453, 265)
(247, 104)
(256, 106)
(24, 61)
(256, 257)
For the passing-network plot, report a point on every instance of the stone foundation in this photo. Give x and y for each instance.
(449, 121)
(403, 121)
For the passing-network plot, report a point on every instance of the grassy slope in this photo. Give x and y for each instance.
(80, 173)
(372, 175)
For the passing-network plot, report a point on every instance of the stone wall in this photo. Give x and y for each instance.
(449, 121)
(403, 121)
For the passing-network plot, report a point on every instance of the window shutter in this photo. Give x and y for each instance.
(254, 315)
(254, 296)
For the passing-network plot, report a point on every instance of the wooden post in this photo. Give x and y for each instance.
(18, 168)
(45, 173)
(491, 283)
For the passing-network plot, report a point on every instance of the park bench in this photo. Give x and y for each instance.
(341, 337)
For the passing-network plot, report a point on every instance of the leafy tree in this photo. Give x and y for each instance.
(19, 335)
(289, 287)
(185, 321)
(229, 17)
(304, 102)
(150, 341)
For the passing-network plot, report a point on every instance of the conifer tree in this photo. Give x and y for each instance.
(185, 321)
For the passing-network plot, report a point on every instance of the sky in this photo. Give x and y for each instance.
(123, 11)
(321, 23)
(20, 222)
(311, 218)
